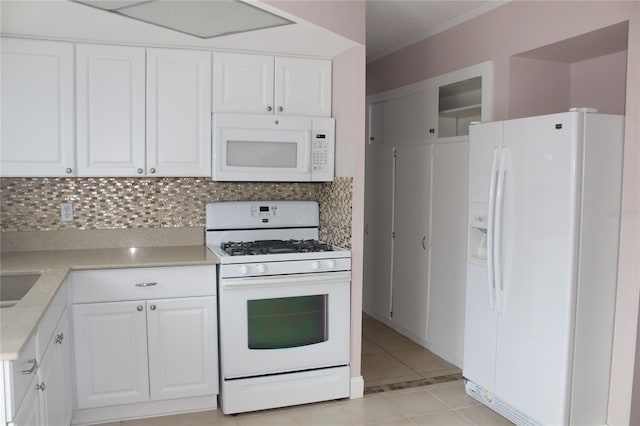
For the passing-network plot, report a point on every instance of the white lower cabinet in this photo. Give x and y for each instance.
(152, 355)
(48, 399)
(110, 353)
(134, 351)
(179, 361)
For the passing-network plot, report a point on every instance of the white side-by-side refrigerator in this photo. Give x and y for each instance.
(544, 220)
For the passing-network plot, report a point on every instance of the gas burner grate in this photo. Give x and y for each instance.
(248, 248)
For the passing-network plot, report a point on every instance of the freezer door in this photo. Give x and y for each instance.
(536, 265)
(480, 314)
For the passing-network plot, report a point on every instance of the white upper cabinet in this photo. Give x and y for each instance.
(259, 84)
(243, 83)
(303, 87)
(178, 113)
(110, 91)
(38, 137)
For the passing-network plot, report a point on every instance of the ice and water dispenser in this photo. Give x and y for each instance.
(478, 219)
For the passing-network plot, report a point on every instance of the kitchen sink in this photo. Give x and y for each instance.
(14, 287)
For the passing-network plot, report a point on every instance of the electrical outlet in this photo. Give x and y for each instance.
(66, 212)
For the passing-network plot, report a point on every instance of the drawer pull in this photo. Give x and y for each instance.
(146, 284)
(41, 387)
(33, 367)
(59, 338)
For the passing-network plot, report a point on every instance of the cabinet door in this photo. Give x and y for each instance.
(375, 123)
(303, 87)
(30, 412)
(38, 138)
(110, 90)
(411, 118)
(59, 391)
(183, 360)
(242, 83)
(110, 348)
(448, 249)
(378, 222)
(411, 218)
(178, 113)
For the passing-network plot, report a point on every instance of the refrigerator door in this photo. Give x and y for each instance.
(536, 263)
(480, 313)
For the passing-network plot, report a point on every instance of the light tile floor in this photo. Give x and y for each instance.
(389, 357)
(434, 405)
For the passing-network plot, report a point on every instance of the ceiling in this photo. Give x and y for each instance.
(67, 20)
(394, 24)
(390, 25)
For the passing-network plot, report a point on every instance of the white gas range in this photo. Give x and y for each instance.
(284, 305)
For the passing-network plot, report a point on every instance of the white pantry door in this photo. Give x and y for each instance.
(411, 218)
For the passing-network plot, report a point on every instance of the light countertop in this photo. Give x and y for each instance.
(19, 322)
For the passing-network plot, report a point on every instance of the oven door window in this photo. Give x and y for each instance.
(287, 322)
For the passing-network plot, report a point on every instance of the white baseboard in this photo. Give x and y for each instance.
(357, 387)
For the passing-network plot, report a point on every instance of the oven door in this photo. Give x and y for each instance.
(261, 148)
(284, 323)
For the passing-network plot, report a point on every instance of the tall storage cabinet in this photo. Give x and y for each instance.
(416, 208)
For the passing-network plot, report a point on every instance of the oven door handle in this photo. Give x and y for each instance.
(284, 280)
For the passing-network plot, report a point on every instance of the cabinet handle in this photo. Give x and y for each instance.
(152, 170)
(432, 130)
(269, 108)
(146, 284)
(372, 138)
(59, 338)
(280, 109)
(139, 308)
(33, 367)
(152, 307)
(424, 240)
(69, 170)
(140, 171)
(41, 386)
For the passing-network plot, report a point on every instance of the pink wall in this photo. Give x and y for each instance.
(538, 87)
(517, 27)
(600, 83)
(345, 17)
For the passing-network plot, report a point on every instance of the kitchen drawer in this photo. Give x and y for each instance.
(20, 381)
(50, 319)
(142, 283)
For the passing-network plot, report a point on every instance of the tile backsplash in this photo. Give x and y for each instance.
(33, 204)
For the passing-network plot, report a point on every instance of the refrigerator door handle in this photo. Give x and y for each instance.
(490, 227)
(497, 227)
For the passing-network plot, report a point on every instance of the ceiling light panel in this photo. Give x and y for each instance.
(200, 18)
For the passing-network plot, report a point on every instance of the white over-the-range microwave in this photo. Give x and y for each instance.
(254, 147)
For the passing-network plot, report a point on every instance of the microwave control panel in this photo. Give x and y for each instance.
(322, 149)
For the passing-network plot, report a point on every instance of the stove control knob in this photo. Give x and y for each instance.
(260, 268)
(244, 270)
(331, 264)
(315, 266)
